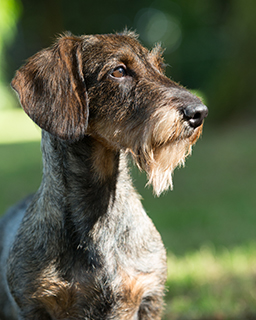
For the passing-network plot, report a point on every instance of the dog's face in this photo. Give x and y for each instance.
(114, 89)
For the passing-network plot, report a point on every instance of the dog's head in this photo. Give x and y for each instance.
(114, 89)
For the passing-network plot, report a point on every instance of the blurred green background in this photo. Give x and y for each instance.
(208, 222)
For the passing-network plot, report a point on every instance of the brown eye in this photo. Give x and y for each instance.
(119, 72)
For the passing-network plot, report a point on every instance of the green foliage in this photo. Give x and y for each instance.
(9, 13)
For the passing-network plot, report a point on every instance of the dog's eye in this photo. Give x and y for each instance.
(119, 72)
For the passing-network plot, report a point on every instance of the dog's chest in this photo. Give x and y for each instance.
(95, 296)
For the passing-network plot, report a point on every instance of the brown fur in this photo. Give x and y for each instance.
(62, 298)
(102, 159)
(82, 247)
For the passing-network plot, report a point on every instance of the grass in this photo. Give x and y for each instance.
(207, 284)
(207, 222)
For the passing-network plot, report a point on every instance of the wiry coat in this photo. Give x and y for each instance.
(83, 247)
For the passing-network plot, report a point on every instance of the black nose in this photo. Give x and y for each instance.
(195, 114)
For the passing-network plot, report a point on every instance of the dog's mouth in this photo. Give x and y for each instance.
(186, 132)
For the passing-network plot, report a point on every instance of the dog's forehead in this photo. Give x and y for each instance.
(123, 47)
(115, 43)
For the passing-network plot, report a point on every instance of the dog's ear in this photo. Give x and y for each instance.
(52, 90)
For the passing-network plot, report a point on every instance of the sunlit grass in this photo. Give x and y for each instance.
(212, 285)
(209, 264)
(15, 126)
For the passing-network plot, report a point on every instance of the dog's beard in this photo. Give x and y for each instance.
(167, 147)
(165, 159)
(160, 163)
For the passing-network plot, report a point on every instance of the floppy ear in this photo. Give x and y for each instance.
(52, 90)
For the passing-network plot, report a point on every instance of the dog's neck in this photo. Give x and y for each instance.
(84, 200)
(85, 179)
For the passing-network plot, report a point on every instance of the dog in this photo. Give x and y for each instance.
(82, 247)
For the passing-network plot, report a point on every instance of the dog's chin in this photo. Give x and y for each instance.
(161, 161)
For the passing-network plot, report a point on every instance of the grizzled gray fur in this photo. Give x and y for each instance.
(82, 247)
